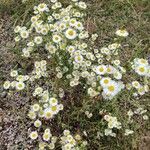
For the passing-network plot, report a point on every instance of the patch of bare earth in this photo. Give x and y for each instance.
(13, 107)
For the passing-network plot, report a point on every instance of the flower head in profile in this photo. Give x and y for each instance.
(122, 32)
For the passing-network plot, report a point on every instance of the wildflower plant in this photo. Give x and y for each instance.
(68, 59)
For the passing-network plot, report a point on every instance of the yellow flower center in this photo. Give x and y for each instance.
(20, 85)
(72, 21)
(54, 108)
(56, 38)
(141, 69)
(79, 58)
(33, 135)
(71, 33)
(111, 88)
(101, 69)
(106, 81)
(79, 25)
(108, 70)
(46, 136)
(48, 115)
(42, 6)
(24, 34)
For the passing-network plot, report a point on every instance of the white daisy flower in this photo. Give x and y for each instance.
(79, 26)
(62, 26)
(117, 75)
(67, 146)
(105, 81)
(105, 50)
(36, 107)
(47, 136)
(44, 31)
(17, 29)
(136, 84)
(34, 19)
(142, 61)
(48, 114)
(78, 58)
(53, 101)
(141, 90)
(56, 38)
(6, 85)
(24, 34)
(13, 73)
(66, 132)
(141, 70)
(82, 5)
(101, 69)
(32, 115)
(112, 89)
(71, 34)
(34, 135)
(38, 40)
(71, 49)
(37, 123)
(20, 85)
(72, 22)
(110, 69)
(54, 109)
(42, 7)
(17, 38)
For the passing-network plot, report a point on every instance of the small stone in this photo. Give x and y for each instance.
(6, 120)
(1, 128)
(3, 95)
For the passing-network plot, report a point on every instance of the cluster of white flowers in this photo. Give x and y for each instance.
(68, 47)
(141, 89)
(138, 111)
(112, 123)
(110, 87)
(141, 67)
(48, 140)
(47, 107)
(70, 142)
(18, 84)
(39, 70)
(141, 111)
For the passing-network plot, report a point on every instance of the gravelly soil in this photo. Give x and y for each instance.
(13, 121)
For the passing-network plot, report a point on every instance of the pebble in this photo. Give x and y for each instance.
(3, 95)
(1, 128)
